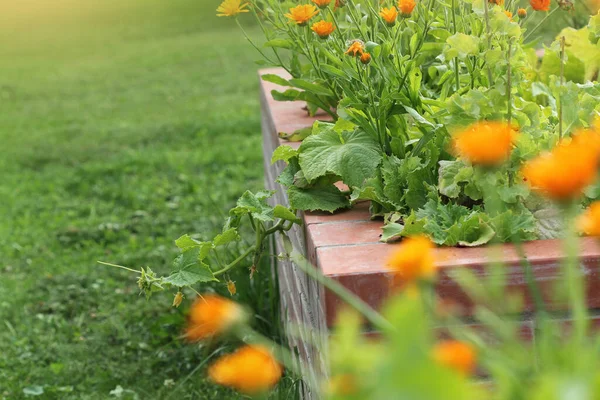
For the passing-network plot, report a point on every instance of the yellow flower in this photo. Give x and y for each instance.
(178, 299)
(356, 48)
(522, 13)
(231, 8)
(365, 58)
(497, 2)
(540, 5)
(231, 287)
(413, 261)
(323, 29)
(508, 14)
(302, 14)
(564, 172)
(406, 7)
(485, 143)
(456, 355)
(212, 315)
(589, 222)
(250, 369)
(389, 15)
(321, 3)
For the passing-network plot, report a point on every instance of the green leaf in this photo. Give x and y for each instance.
(579, 45)
(333, 71)
(452, 224)
(410, 226)
(284, 213)
(298, 135)
(280, 43)
(188, 269)
(255, 205)
(33, 390)
(452, 175)
(228, 236)
(327, 198)
(461, 45)
(275, 79)
(283, 153)
(514, 226)
(288, 95)
(353, 156)
(185, 243)
(311, 87)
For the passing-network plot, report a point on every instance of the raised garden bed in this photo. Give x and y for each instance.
(346, 247)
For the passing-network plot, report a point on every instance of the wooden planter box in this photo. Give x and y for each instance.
(346, 247)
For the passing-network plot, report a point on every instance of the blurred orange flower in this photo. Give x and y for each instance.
(250, 369)
(486, 143)
(414, 260)
(508, 14)
(497, 2)
(356, 48)
(406, 7)
(211, 315)
(589, 222)
(302, 14)
(540, 5)
(323, 29)
(389, 15)
(322, 3)
(231, 8)
(522, 13)
(457, 355)
(564, 172)
(365, 58)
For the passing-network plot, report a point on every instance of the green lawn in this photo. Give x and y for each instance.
(121, 128)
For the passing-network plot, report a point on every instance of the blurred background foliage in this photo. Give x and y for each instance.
(123, 125)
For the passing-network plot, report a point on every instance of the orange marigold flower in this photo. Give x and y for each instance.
(540, 5)
(231, 8)
(356, 48)
(406, 7)
(321, 3)
(389, 15)
(564, 172)
(589, 222)
(365, 58)
(457, 355)
(486, 143)
(212, 315)
(250, 370)
(508, 14)
(302, 14)
(497, 2)
(522, 13)
(414, 260)
(323, 29)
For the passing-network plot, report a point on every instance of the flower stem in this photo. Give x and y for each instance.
(562, 82)
(235, 262)
(539, 24)
(489, 37)
(509, 83)
(456, 70)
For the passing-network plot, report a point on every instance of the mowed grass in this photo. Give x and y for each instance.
(121, 128)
